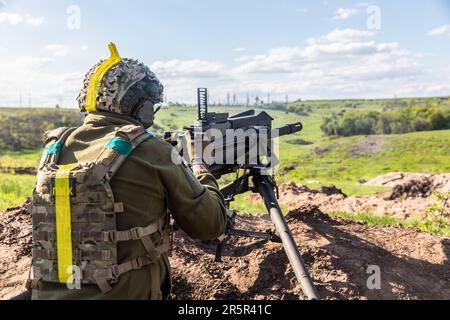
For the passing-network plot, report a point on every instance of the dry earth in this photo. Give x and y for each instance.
(414, 265)
(411, 194)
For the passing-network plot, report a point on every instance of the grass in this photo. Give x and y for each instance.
(14, 189)
(20, 159)
(427, 152)
(252, 207)
(442, 229)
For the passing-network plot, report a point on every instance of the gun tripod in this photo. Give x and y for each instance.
(265, 185)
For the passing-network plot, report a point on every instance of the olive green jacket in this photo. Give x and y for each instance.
(149, 184)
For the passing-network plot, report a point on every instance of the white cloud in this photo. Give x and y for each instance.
(240, 49)
(10, 18)
(14, 19)
(337, 46)
(443, 30)
(84, 48)
(343, 35)
(346, 63)
(57, 50)
(34, 21)
(187, 68)
(243, 58)
(35, 76)
(345, 13)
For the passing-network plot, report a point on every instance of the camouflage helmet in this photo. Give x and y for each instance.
(120, 86)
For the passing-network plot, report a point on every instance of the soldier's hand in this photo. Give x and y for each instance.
(195, 151)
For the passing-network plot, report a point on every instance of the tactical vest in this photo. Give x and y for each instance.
(74, 217)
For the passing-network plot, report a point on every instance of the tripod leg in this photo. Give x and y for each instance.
(265, 187)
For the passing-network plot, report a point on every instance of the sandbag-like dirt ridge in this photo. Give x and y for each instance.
(413, 265)
(409, 198)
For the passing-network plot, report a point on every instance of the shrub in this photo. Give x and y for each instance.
(395, 121)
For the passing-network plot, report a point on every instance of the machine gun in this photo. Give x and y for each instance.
(252, 151)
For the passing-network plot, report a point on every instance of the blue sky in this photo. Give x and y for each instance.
(304, 49)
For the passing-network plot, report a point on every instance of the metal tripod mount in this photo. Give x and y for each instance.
(254, 180)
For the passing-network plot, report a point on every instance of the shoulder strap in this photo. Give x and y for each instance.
(54, 141)
(53, 135)
(118, 149)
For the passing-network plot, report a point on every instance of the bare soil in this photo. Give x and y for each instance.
(409, 197)
(369, 145)
(15, 250)
(414, 265)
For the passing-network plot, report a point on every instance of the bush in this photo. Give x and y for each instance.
(397, 121)
(437, 216)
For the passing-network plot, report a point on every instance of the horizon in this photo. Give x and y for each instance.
(194, 104)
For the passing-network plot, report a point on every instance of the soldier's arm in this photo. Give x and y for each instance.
(195, 202)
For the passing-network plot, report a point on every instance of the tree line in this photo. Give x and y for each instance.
(394, 121)
(23, 129)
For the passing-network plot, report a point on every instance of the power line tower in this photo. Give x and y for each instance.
(228, 98)
(268, 98)
(60, 101)
(248, 100)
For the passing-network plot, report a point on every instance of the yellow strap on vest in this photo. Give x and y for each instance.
(64, 224)
(95, 82)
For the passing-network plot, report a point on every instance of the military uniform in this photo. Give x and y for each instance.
(148, 184)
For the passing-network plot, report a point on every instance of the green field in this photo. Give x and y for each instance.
(342, 162)
(19, 159)
(345, 162)
(14, 189)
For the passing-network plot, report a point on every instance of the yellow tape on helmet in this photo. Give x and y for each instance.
(96, 80)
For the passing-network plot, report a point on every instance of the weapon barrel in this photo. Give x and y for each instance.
(290, 247)
(289, 129)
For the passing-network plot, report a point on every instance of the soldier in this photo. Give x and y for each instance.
(100, 208)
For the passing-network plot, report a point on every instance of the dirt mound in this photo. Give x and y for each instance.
(423, 184)
(409, 197)
(329, 191)
(413, 265)
(15, 249)
(290, 191)
(297, 189)
(413, 189)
